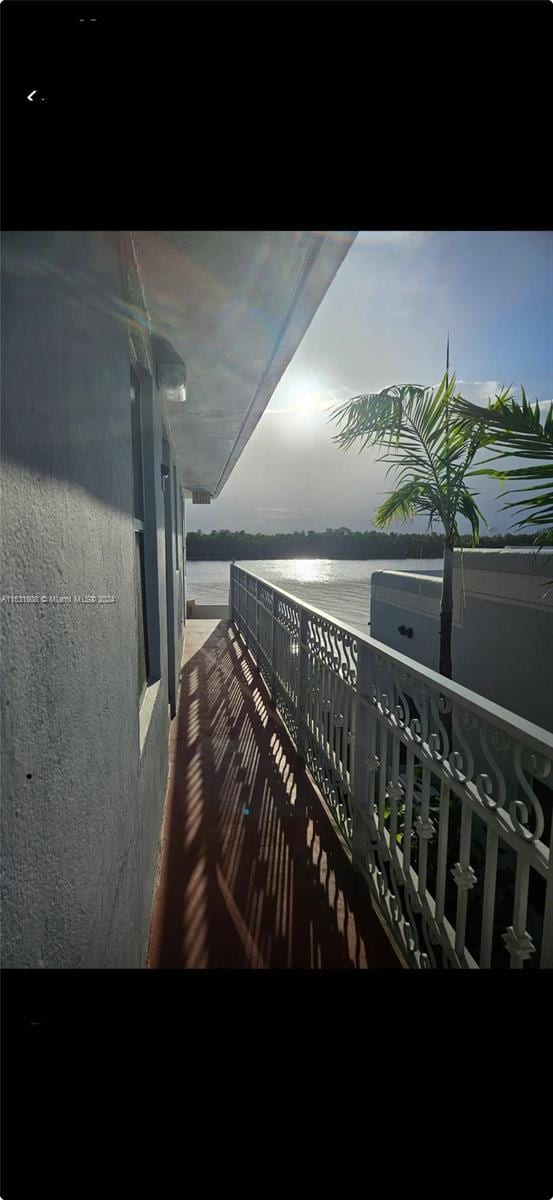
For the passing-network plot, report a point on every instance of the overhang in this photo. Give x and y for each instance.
(234, 307)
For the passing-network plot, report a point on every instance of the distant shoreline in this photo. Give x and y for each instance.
(224, 545)
(344, 557)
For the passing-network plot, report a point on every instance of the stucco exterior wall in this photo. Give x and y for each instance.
(502, 640)
(402, 598)
(81, 804)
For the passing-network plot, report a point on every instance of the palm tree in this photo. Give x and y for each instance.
(430, 450)
(513, 429)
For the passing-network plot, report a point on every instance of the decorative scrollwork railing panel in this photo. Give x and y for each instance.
(444, 798)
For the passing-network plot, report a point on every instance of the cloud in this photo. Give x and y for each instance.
(479, 391)
(274, 511)
(391, 237)
(321, 400)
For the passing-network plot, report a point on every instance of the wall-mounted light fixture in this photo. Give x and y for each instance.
(170, 370)
(171, 377)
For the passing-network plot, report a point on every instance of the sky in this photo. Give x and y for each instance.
(385, 320)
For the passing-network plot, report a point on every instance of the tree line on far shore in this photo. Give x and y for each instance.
(226, 545)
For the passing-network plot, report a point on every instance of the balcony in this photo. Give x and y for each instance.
(253, 873)
(325, 787)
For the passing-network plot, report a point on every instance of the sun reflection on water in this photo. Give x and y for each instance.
(302, 570)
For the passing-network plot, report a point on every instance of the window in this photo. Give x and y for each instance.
(183, 545)
(176, 521)
(139, 526)
(138, 469)
(143, 656)
(144, 424)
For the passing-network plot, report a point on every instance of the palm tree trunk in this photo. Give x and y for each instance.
(446, 611)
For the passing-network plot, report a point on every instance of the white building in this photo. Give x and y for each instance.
(502, 637)
(101, 446)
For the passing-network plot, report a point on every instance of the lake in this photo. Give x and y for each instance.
(340, 587)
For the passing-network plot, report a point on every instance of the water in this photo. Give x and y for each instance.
(338, 587)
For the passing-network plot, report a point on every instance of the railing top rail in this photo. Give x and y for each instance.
(537, 737)
(410, 574)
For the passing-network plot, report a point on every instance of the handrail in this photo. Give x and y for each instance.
(440, 793)
(534, 734)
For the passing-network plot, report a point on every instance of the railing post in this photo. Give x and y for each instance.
(303, 666)
(243, 608)
(360, 781)
(237, 598)
(231, 594)
(273, 646)
(241, 605)
(256, 594)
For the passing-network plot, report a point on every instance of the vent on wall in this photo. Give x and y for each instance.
(201, 498)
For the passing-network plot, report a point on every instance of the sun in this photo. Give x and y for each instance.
(305, 404)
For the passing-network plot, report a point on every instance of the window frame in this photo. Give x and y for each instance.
(145, 528)
(176, 519)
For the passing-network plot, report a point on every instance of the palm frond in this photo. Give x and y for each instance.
(469, 509)
(512, 426)
(535, 472)
(418, 435)
(517, 429)
(404, 503)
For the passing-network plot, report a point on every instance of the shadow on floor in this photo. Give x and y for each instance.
(252, 873)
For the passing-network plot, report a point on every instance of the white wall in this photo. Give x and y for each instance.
(81, 804)
(502, 641)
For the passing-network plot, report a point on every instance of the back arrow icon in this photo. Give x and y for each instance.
(31, 94)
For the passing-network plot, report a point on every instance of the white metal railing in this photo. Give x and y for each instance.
(444, 798)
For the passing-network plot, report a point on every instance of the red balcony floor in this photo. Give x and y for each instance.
(252, 872)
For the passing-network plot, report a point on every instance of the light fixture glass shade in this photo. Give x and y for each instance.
(178, 394)
(171, 377)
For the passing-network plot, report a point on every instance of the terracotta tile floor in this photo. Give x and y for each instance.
(252, 873)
